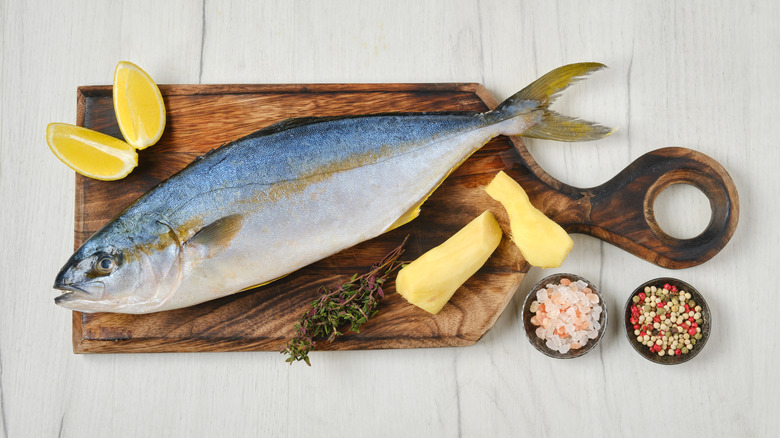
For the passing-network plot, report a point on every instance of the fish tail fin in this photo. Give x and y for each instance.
(529, 108)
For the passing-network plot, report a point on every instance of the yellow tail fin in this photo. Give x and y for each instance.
(535, 99)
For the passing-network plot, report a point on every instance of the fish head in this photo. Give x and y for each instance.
(127, 269)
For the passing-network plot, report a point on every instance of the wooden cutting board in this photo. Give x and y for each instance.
(202, 117)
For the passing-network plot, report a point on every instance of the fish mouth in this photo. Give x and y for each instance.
(70, 292)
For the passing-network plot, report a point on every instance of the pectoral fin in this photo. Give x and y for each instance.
(216, 236)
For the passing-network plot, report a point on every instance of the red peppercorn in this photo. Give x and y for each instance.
(660, 305)
(642, 296)
(636, 326)
(657, 319)
(691, 319)
(643, 333)
(633, 320)
(674, 288)
(694, 325)
(667, 286)
(692, 331)
(687, 308)
(677, 352)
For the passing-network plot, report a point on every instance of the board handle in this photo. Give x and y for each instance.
(620, 211)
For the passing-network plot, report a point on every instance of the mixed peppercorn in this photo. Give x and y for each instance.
(666, 320)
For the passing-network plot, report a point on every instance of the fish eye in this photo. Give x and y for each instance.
(105, 265)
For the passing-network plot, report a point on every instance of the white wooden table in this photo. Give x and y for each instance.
(699, 74)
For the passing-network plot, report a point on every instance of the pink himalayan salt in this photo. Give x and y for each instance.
(567, 315)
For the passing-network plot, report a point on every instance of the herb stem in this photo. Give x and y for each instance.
(347, 307)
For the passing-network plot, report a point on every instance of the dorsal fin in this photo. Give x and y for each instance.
(303, 121)
(290, 124)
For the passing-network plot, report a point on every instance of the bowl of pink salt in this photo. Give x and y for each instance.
(564, 316)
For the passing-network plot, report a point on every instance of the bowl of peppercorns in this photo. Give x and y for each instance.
(667, 321)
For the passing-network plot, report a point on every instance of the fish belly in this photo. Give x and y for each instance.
(314, 217)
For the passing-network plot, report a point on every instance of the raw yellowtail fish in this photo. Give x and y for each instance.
(274, 201)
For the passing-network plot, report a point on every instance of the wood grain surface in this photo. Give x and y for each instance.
(203, 117)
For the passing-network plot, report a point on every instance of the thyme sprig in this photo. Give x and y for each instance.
(342, 309)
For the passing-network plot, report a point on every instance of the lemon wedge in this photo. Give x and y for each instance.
(138, 104)
(91, 153)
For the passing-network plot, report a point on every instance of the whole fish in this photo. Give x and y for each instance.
(272, 202)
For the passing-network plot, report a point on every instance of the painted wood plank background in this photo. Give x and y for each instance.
(698, 74)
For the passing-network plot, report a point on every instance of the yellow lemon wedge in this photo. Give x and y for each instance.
(91, 153)
(139, 106)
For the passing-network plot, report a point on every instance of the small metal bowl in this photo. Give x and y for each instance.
(643, 350)
(530, 329)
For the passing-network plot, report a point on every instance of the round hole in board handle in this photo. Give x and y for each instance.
(682, 211)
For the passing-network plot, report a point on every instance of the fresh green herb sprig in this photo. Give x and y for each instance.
(345, 308)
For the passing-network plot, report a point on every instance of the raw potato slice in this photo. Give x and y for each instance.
(91, 153)
(138, 105)
(431, 280)
(542, 241)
